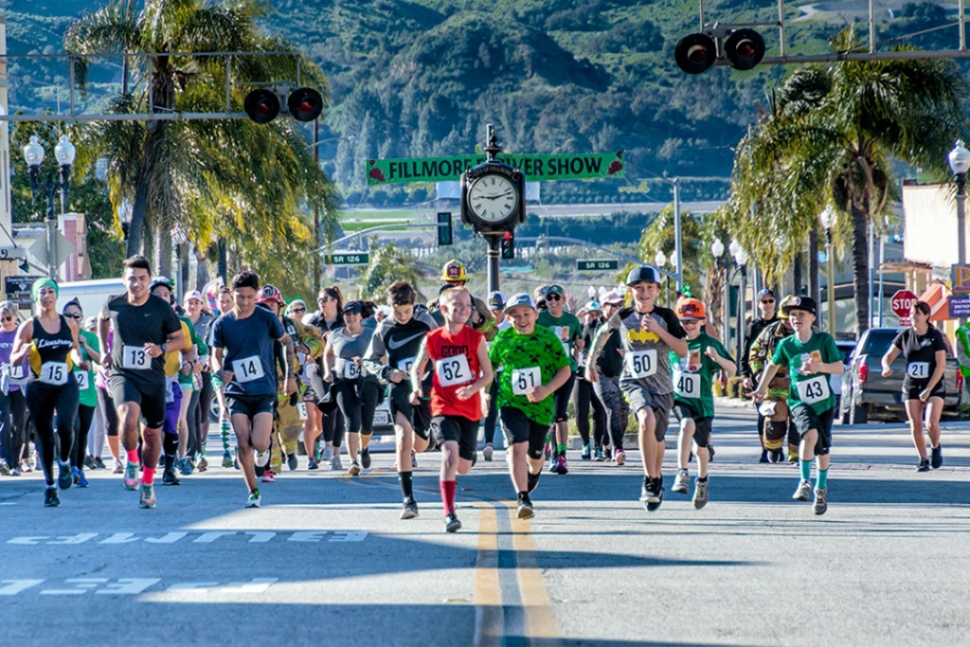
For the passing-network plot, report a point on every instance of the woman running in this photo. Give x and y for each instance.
(47, 341)
(330, 421)
(923, 348)
(13, 406)
(87, 395)
(200, 316)
(224, 303)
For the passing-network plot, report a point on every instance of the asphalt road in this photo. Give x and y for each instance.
(326, 560)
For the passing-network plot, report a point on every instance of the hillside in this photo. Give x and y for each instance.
(422, 77)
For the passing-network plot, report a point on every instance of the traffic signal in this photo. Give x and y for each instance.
(508, 246)
(696, 53)
(305, 104)
(444, 228)
(262, 106)
(744, 48)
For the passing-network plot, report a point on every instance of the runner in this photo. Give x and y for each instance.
(330, 422)
(145, 327)
(567, 328)
(775, 407)
(585, 399)
(13, 405)
(609, 365)
(87, 397)
(47, 340)
(244, 357)
(694, 397)
(766, 305)
(533, 365)
(391, 353)
(224, 303)
(648, 332)
(810, 357)
(924, 349)
(496, 305)
(462, 371)
(201, 317)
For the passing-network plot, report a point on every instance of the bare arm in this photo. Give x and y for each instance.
(888, 359)
(759, 394)
(104, 330)
(417, 370)
(937, 376)
(21, 344)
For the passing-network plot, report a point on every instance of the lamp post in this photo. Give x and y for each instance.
(659, 260)
(64, 151)
(740, 260)
(959, 159)
(717, 250)
(827, 218)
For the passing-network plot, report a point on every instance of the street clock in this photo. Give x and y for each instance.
(492, 196)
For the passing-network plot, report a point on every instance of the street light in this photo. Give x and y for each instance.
(717, 250)
(959, 159)
(740, 260)
(64, 152)
(659, 260)
(827, 218)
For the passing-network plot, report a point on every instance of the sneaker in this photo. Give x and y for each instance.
(587, 453)
(354, 469)
(119, 467)
(619, 457)
(268, 475)
(598, 455)
(81, 480)
(4, 468)
(365, 458)
(169, 477)
(764, 456)
(775, 456)
(335, 463)
(804, 489)
(327, 453)
(75, 475)
(936, 459)
(608, 453)
(185, 466)
(50, 497)
(226, 460)
(700, 494)
(821, 503)
(560, 467)
(255, 499)
(410, 510)
(292, 461)
(487, 452)
(203, 465)
(15, 472)
(65, 479)
(792, 457)
(147, 499)
(657, 492)
(312, 464)
(25, 467)
(98, 463)
(682, 482)
(89, 463)
(923, 465)
(525, 510)
(452, 524)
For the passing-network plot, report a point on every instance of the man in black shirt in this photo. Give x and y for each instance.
(769, 315)
(145, 328)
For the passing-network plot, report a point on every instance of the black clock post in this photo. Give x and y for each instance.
(492, 202)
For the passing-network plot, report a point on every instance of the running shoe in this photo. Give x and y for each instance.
(327, 453)
(25, 467)
(203, 465)
(410, 510)
(147, 499)
(80, 480)
(587, 453)
(488, 451)
(700, 494)
(936, 459)
(169, 477)
(89, 463)
(226, 459)
(365, 458)
(312, 464)
(75, 475)
(598, 455)
(185, 466)
(804, 489)
(620, 457)
(452, 524)
(764, 456)
(98, 463)
(923, 465)
(65, 479)
(131, 477)
(656, 495)
(4, 468)
(560, 467)
(119, 467)
(682, 482)
(292, 461)
(525, 510)
(269, 475)
(15, 472)
(775, 456)
(335, 463)
(354, 469)
(608, 453)
(821, 503)
(50, 497)
(254, 500)
(792, 457)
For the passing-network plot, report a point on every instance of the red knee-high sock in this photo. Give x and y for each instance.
(448, 496)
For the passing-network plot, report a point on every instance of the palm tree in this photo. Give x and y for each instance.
(831, 138)
(388, 263)
(233, 180)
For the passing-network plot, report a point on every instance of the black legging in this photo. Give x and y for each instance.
(583, 397)
(13, 426)
(492, 418)
(357, 401)
(43, 400)
(110, 414)
(204, 408)
(194, 446)
(333, 427)
(82, 425)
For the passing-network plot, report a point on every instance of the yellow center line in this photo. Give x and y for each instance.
(540, 618)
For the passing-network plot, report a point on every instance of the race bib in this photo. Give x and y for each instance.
(351, 370)
(83, 380)
(687, 385)
(135, 358)
(524, 379)
(641, 363)
(247, 369)
(405, 364)
(14, 371)
(54, 373)
(918, 370)
(813, 390)
(453, 370)
(170, 384)
(301, 407)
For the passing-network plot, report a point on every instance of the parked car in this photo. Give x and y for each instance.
(867, 394)
(835, 381)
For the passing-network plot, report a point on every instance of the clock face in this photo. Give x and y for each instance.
(492, 198)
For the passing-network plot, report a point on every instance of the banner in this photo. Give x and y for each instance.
(579, 166)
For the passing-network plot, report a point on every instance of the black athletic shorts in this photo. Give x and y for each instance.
(806, 419)
(561, 398)
(251, 405)
(702, 425)
(912, 393)
(399, 399)
(519, 428)
(459, 429)
(149, 397)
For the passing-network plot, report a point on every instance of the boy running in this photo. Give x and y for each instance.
(811, 357)
(648, 333)
(693, 398)
(461, 371)
(534, 365)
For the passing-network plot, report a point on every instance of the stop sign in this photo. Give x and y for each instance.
(902, 303)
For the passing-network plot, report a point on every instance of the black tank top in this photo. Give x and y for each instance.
(53, 347)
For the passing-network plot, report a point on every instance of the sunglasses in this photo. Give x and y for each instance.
(71, 316)
(766, 301)
(298, 310)
(7, 319)
(553, 297)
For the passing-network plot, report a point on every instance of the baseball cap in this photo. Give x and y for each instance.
(801, 303)
(644, 273)
(593, 306)
(555, 289)
(520, 299)
(613, 298)
(194, 294)
(270, 293)
(765, 292)
(496, 300)
(690, 310)
(354, 306)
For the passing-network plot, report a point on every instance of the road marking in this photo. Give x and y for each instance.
(223, 536)
(539, 615)
(489, 616)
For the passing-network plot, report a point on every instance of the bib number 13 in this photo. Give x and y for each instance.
(136, 358)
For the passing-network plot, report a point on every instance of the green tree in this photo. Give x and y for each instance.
(388, 263)
(233, 180)
(659, 236)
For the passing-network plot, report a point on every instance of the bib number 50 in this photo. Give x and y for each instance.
(642, 363)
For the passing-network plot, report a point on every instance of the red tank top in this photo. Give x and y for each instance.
(455, 365)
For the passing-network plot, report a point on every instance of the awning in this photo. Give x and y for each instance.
(936, 296)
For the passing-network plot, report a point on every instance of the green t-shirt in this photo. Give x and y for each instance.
(195, 339)
(85, 379)
(692, 375)
(526, 361)
(567, 328)
(811, 389)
